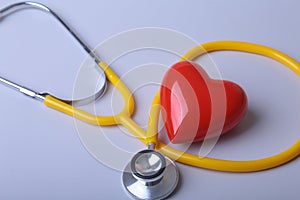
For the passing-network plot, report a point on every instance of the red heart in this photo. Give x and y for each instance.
(197, 107)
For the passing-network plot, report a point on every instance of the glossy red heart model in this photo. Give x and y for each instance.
(195, 107)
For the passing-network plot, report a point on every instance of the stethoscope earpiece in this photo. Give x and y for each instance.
(150, 175)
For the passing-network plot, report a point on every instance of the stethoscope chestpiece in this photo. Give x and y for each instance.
(150, 175)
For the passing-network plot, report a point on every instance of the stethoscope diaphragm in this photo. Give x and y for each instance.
(150, 175)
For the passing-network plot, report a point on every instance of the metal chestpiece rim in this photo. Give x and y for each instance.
(150, 175)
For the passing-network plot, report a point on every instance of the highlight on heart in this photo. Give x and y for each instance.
(196, 107)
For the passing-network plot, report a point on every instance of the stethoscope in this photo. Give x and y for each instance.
(152, 173)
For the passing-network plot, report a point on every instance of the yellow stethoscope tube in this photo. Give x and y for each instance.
(150, 136)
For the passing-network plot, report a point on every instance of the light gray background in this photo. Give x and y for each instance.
(41, 155)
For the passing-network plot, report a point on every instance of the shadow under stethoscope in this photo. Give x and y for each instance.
(249, 122)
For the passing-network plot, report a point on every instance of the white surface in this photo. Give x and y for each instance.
(41, 154)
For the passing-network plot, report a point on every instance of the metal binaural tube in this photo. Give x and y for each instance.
(28, 4)
(23, 89)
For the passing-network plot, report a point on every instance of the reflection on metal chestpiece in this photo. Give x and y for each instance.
(150, 175)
